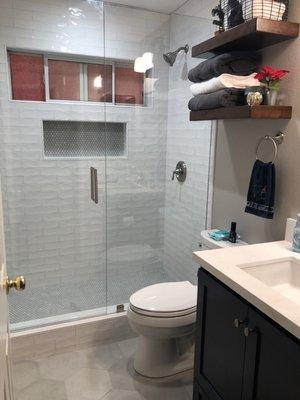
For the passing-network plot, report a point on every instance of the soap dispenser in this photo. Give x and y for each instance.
(296, 240)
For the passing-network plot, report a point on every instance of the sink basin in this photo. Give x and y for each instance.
(281, 275)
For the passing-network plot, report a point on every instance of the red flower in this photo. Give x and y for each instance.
(268, 74)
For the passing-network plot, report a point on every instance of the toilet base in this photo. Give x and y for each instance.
(161, 358)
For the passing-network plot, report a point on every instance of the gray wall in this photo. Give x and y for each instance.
(235, 154)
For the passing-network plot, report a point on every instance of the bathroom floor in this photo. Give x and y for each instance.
(103, 372)
(91, 294)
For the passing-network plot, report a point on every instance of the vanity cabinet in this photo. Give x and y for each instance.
(240, 353)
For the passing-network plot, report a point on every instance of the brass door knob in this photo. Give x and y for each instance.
(19, 283)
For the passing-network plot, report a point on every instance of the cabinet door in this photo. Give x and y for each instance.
(220, 346)
(272, 362)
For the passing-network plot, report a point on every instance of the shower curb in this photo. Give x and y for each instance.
(58, 338)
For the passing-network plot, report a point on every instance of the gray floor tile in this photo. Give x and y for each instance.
(59, 366)
(103, 372)
(43, 389)
(25, 373)
(88, 384)
(128, 346)
(100, 357)
(122, 395)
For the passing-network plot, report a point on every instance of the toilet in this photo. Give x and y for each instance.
(164, 317)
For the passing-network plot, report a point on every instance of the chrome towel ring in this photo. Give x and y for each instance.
(276, 141)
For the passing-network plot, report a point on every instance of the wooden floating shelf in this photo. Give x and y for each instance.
(243, 112)
(252, 35)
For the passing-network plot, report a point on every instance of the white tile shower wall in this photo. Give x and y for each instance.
(53, 230)
(186, 203)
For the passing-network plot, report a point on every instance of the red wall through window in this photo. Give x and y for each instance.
(27, 76)
(99, 82)
(129, 86)
(64, 80)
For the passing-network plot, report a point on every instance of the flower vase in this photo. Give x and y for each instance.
(272, 96)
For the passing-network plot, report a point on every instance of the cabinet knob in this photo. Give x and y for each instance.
(237, 323)
(248, 331)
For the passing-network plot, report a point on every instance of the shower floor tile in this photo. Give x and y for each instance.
(97, 291)
(103, 372)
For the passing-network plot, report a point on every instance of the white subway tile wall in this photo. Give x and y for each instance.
(55, 235)
(185, 204)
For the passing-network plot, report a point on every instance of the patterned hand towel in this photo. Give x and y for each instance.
(261, 194)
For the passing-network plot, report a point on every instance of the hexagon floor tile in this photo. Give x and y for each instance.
(88, 384)
(103, 372)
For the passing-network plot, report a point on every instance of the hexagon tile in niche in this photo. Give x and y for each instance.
(102, 372)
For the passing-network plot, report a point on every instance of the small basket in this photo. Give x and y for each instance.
(238, 11)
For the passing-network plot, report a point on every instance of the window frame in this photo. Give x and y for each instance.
(83, 60)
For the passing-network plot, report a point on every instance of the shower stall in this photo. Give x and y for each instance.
(93, 123)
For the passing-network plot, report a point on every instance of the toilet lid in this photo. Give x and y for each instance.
(169, 297)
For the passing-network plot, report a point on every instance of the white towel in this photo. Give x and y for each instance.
(267, 9)
(224, 81)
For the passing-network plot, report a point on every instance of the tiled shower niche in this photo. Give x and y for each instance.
(82, 139)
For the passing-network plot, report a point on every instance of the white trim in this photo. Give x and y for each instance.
(46, 80)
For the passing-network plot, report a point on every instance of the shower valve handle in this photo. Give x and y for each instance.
(177, 172)
(180, 172)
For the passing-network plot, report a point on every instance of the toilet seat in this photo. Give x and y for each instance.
(165, 300)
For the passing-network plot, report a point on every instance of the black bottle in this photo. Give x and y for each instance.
(232, 234)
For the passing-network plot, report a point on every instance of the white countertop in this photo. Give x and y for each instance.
(223, 264)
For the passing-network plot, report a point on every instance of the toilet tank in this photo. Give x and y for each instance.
(209, 244)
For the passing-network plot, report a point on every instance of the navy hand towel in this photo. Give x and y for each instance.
(261, 194)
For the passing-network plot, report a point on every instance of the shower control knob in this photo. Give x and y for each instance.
(180, 172)
(19, 283)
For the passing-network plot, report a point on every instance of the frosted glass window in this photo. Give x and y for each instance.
(27, 76)
(99, 82)
(129, 86)
(73, 139)
(64, 80)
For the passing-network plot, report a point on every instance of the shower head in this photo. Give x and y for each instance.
(170, 57)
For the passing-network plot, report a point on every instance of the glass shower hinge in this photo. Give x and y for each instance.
(120, 308)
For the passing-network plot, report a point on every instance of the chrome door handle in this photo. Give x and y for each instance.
(94, 185)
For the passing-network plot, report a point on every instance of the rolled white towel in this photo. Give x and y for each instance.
(224, 81)
(267, 9)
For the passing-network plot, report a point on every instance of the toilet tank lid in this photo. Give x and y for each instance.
(166, 297)
(210, 243)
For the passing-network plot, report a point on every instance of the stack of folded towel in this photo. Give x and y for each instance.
(221, 80)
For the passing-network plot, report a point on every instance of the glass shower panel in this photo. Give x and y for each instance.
(135, 182)
(55, 233)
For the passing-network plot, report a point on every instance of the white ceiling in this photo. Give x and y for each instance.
(164, 6)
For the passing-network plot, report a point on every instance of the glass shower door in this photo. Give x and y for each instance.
(136, 176)
(53, 132)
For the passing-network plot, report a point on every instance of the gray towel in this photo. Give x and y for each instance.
(235, 63)
(221, 98)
